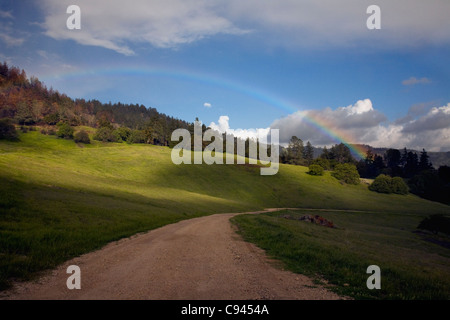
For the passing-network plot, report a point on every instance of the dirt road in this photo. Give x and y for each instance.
(201, 258)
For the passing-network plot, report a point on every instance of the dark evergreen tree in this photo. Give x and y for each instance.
(308, 153)
(424, 163)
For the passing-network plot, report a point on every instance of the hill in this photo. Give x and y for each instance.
(436, 158)
(60, 199)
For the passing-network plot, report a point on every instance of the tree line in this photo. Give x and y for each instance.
(27, 101)
(416, 170)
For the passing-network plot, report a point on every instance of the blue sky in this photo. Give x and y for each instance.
(251, 64)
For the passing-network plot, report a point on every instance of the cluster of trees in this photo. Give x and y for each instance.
(416, 171)
(387, 184)
(296, 153)
(338, 158)
(8, 130)
(394, 163)
(436, 223)
(29, 102)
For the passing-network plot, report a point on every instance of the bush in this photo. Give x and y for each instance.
(386, 184)
(52, 119)
(82, 137)
(136, 136)
(123, 133)
(381, 184)
(436, 223)
(106, 134)
(315, 170)
(399, 186)
(8, 130)
(324, 163)
(65, 131)
(346, 172)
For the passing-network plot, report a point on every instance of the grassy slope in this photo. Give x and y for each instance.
(411, 268)
(58, 200)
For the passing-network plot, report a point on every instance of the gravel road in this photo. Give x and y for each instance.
(200, 258)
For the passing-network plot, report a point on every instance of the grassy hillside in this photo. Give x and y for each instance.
(59, 199)
(411, 268)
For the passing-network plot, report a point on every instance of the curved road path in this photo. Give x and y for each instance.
(200, 258)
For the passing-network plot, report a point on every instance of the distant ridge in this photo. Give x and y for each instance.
(436, 158)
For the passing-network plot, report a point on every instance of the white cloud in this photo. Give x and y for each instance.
(414, 80)
(10, 41)
(435, 119)
(6, 14)
(223, 126)
(361, 123)
(118, 26)
(207, 105)
(360, 107)
(115, 25)
(342, 23)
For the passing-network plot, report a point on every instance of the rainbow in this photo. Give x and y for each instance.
(187, 75)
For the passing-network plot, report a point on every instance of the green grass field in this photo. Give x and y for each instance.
(59, 199)
(411, 268)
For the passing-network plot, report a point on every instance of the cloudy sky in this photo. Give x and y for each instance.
(310, 68)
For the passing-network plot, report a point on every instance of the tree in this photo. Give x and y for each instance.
(136, 136)
(24, 116)
(106, 134)
(393, 160)
(8, 130)
(52, 119)
(295, 150)
(82, 137)
(444, 174)
(399, 186)
(325, 154)
(341, 153)
(324, 163)
(381, 184)
(412, 164)
(435, 223)
(315, 170)
(308, 153)
(65, 131)
(424, 163)
(346, 172)
(123, 133)
(385, 184)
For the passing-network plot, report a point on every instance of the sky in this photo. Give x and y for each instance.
(309, 68)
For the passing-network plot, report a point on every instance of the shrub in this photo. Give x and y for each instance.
(386, 184)
(136, 136)
(52, 119)
(315, 170)
(123, 133)
(8, 130)
(346, 172)
(436, 223)
(399, 186)
(381, 184)
(65, 131)
(82, 137)
(106, 134)
(324, 163)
